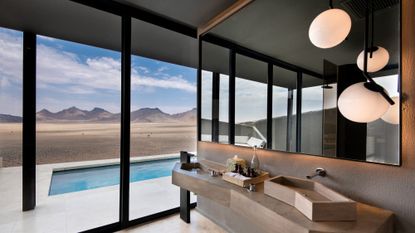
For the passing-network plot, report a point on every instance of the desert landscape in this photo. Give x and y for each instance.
(66, 139)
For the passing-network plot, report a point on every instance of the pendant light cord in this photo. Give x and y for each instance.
(366, 39)
(372, 48)
(371, 85)
(331, 4)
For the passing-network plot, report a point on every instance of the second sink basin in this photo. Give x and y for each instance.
(314, 200)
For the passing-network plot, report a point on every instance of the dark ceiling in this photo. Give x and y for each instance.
(67, 20)
(279, 28)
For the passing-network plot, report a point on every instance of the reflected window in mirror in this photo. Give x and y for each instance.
(206, 109)
(282, 40)
(215, 93)
(382, 141)
(311, 115)
(250, 102)
(284, 109)
(224, 108)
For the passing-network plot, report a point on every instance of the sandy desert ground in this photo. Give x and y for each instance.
(68, 142)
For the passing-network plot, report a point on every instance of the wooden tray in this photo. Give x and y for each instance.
(244, 183)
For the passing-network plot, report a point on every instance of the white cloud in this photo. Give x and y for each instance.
(171, 82)
(10, 58)
(143, 69)
(46, 38)
(60, 69)
(162, 69)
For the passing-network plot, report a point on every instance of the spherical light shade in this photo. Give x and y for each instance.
(330, 28)
(359, 104)
(392, 115)
(380, 59)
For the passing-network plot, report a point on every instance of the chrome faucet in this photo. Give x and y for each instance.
(319, 172)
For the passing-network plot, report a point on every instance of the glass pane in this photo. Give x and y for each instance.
(11, 66)
(312, 115)
(78, 133)
(163, 123)
(250, 102)
(284, 81)
(292, 121)
(207, 81)
(224, 109)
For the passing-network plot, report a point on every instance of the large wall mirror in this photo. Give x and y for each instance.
(271, 77)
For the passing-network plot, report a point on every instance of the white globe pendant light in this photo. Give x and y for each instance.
(330, 28)
(392, 114)
(379, 59)
(359, 104)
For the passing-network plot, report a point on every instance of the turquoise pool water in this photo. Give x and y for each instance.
(75, 180)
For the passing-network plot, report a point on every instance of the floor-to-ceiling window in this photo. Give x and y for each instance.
(11, 52)
(78, 134)
(163, 123)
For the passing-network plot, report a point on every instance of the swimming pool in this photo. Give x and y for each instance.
(75, 180)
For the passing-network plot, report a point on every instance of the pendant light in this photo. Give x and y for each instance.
(376, 62)
(330, 28)
(361, 105)
(392, 115)
(365, 101)
(379, 57)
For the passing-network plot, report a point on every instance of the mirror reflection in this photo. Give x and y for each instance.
(273, 77)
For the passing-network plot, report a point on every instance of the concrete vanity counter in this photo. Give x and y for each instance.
(238, 210)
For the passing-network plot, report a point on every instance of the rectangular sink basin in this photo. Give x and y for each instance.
(314, 200)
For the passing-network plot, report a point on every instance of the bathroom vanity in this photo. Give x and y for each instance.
(238, 210)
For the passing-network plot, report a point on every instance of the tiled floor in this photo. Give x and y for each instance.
(77, 211)
(174, 224)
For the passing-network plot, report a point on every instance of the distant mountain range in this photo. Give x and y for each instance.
(101, 115)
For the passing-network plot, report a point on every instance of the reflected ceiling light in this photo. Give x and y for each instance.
(392, 114)
(378, 59)
(365, 102)
(330, 28)
(378, 56)
(359, 104)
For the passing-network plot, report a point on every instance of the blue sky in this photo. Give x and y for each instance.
(71, 74)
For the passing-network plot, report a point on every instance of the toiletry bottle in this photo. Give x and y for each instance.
(255, 161)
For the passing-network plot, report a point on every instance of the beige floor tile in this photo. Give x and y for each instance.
(174, 224)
